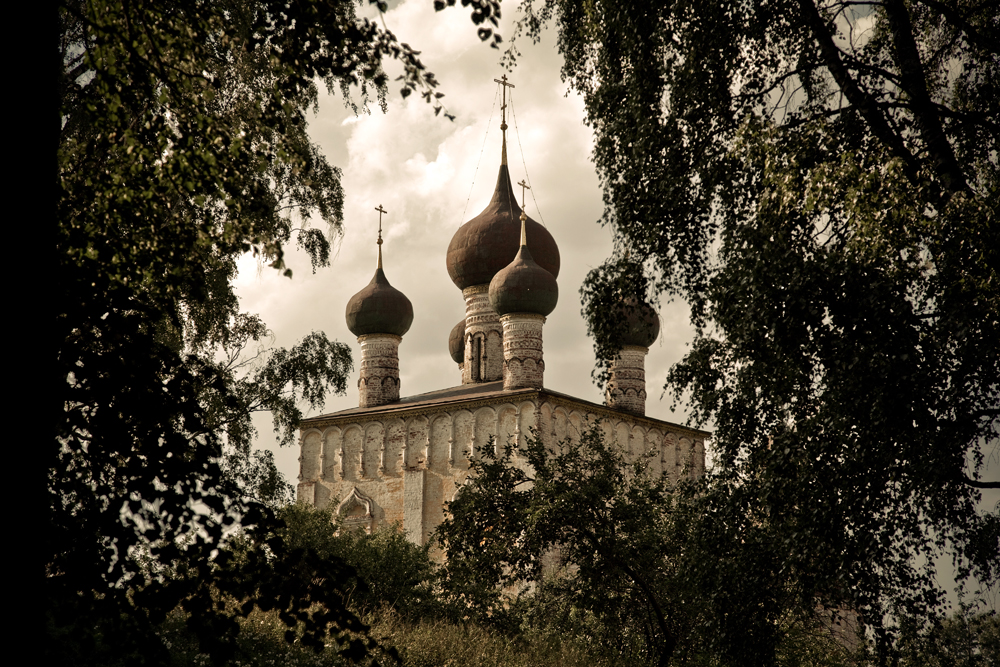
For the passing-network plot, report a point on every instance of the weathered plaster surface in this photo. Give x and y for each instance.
(403, 462)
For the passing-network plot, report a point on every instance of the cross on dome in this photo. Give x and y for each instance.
(503, 115)
(524, 216)
(380, 212)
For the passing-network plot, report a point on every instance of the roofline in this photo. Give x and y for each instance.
(400, 410)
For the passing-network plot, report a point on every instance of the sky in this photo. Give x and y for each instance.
(432, 175)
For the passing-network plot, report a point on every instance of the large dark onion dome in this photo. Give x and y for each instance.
(523, 286)
(456, 342)
(484, 245)
(642, 324)
(379, 308)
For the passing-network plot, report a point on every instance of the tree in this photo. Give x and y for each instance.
(181, 146)
(818, 180)
(601, 550)
(525, 512)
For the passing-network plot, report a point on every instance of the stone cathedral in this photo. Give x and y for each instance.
(401, 460)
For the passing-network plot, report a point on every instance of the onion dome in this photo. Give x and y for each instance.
(523, 286)
(642, 324)
(484, 245)
(456, 342)
(379, 308)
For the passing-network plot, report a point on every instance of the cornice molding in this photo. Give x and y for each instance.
(392, 411)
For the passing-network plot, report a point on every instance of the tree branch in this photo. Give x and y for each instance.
(958, 21)
(977, 484)
(866, 106)
(914, 82)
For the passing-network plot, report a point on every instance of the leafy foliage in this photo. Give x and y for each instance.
(964, 639)
(583, 542)
(392, 573)
(182, 145)
(530, 513)
(818, 180)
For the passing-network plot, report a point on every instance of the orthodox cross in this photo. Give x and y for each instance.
(380, 212)
(524, 216)
(503, 107)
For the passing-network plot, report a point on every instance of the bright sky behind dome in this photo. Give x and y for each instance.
(422, 168)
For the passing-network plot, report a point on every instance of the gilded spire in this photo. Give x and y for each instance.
(503, 116)
(380, 212)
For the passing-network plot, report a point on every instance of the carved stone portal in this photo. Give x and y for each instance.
(357, 511)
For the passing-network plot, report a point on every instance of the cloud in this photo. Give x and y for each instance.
(422, 169)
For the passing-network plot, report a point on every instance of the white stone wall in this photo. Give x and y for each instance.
(403, 469)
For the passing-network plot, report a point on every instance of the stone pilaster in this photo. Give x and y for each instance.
(484, 361)
(627, 388)
(523, 365)
(379, 382)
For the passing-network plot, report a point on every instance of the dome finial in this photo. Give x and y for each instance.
(524, 216)
(380, 212)
(503, 116)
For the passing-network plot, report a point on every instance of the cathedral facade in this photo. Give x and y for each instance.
(400, 461)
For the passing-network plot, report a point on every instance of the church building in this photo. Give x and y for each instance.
(400, 461)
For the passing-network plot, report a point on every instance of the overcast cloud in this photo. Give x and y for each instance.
(422, 168)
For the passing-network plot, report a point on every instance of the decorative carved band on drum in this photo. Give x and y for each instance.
(379, 381)
(523, 366)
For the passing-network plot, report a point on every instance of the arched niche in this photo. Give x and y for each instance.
(416, 442)
(309, 456)
(333, 443)
(636, 442)
(545, 424)
(371, 454)
(395, 445)
(577, 425)
(485, 428)
(654, 451)
(463, 428)
(440, 436)
(506, 425)
(357, 511)
(699, 457)
(671, 463)
(685, 456)
(353, 443)
(622, 435)
(560, 427)
(526, 422)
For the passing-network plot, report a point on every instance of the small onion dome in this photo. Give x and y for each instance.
(379, 308)
(642, 324)
(456, 342)
(484, 245)
(524, 287)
